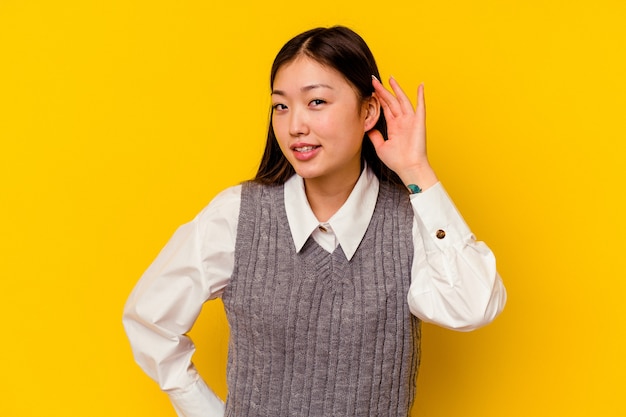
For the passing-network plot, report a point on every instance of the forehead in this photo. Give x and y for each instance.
(304, 71)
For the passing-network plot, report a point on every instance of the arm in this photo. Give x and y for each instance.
(454, 279)
(193, 267)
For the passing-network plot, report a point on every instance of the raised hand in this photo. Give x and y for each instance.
(405, 150)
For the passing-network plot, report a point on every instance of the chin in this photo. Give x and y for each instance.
(306, 172)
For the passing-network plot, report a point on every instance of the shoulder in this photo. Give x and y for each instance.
(393, 192)
(224, 209)
(226, 198)
(224, 206)
(253, 192)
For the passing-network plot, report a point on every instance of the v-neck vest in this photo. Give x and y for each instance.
(313, 334)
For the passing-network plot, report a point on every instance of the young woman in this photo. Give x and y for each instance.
(327, 261)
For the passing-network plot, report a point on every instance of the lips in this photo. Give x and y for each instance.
(305, 151)
(305, 148)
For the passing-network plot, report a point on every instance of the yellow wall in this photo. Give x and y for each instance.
(119, 120)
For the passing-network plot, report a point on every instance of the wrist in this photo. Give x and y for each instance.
(423, 177)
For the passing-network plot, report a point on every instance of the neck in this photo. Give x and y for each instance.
(326, 198)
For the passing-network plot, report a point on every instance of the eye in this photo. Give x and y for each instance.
(317, 102)
(279, 107)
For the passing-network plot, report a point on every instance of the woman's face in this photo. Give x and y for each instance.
(319, 121)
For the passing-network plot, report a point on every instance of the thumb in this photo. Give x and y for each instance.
(376, 137)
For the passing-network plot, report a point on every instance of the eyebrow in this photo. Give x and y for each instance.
(303, 89)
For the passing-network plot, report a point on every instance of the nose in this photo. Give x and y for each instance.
(298, 123)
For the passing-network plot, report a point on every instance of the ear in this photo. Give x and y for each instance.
(371, 106)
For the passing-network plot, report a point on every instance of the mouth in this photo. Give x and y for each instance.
(305, 152)
(305, 148)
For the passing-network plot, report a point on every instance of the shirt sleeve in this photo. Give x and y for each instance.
(454, 279)
(193, 267)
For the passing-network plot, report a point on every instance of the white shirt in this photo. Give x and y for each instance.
(454, 282)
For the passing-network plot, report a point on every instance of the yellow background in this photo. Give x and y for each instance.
(120, 120)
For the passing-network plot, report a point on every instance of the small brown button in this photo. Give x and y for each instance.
(440, 234)
(322, 229)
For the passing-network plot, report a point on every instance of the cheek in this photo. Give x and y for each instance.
(281, 135)
(326, 124)
(278, 126)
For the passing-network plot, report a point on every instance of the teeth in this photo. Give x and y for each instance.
(305, 148)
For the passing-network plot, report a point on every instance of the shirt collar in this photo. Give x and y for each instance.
(349, 223)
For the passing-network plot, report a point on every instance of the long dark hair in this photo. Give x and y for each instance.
(344, 50)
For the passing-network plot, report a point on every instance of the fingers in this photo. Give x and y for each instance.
(421, 102)
(405, 103)
(398, 104)
(376, 138)
(389, 103)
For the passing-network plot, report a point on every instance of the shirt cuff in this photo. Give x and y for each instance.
(439, 219)
(197, 401)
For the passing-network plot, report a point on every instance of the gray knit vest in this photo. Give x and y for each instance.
(311, 333)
